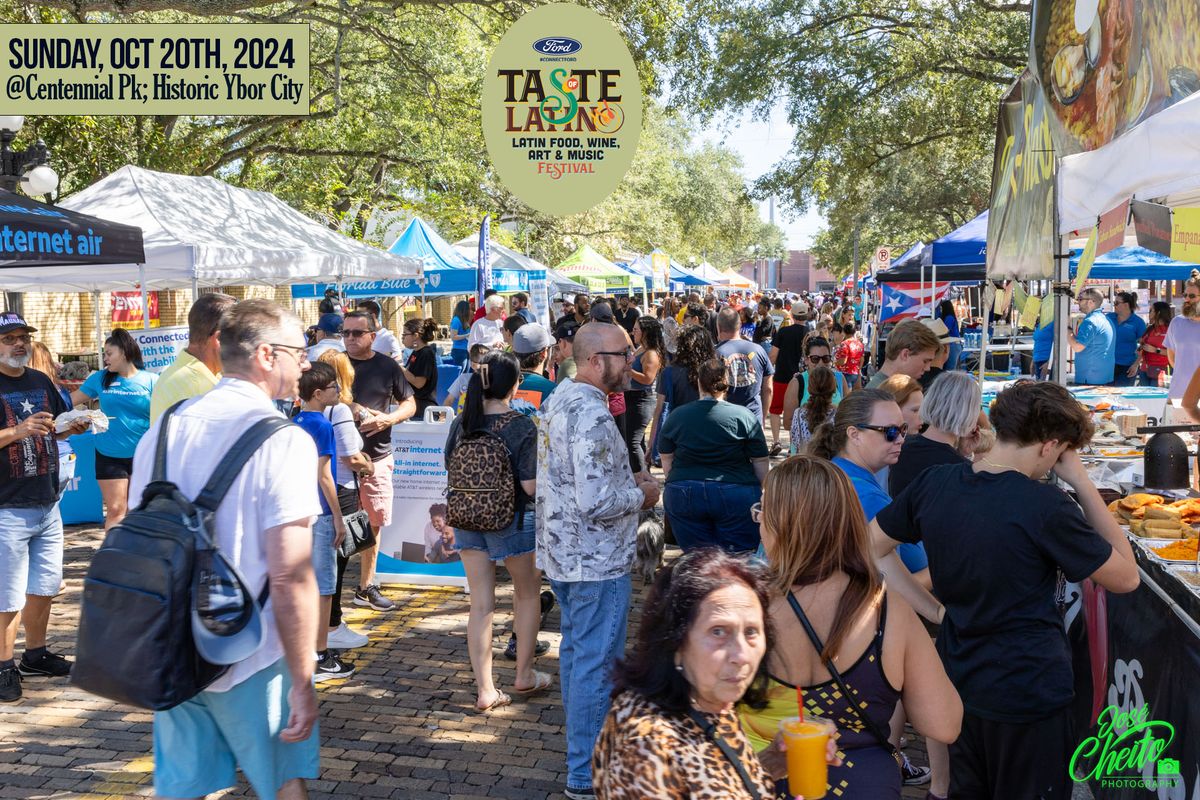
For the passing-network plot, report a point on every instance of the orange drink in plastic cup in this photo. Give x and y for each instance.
(807, 769)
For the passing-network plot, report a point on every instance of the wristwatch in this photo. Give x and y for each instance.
(362, 415)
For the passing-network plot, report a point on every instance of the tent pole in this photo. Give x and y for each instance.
(99, 332)
(922, 289)
(145, 298)
(933, 294)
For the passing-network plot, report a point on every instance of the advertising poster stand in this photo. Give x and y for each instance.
(417, 547)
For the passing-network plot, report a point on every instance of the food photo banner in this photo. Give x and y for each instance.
(198, 70)
(1095, 71)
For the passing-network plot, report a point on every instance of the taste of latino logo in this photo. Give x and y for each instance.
(562, 108)
(1127, 752)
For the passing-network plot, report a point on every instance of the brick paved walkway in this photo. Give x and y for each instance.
(402, 727)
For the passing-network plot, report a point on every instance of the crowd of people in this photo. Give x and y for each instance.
(808, 585)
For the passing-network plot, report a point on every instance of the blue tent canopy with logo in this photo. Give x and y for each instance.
(960, 255)
(447, 271)
(1135, 263)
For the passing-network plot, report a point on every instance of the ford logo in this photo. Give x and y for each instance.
(557, 46)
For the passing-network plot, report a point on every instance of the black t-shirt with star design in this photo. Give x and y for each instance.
(28, 468)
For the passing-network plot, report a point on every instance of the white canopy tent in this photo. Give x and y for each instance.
(507, 258)
(1154, 161)
(711, 274)
(203, 231)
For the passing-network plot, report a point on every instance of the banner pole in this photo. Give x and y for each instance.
(99, 332)
(145, 303)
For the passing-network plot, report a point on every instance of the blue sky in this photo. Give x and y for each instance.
(761, 143)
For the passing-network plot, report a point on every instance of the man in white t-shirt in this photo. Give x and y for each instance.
(385, 341)
(261, 715)
(489, 329)
(1183, 348)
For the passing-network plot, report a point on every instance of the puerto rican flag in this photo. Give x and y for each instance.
(906, 300)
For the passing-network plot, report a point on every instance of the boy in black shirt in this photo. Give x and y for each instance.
(997, 537)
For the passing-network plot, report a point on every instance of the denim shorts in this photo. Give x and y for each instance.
(516, 540)
(199, 744)
(324, 557)
(31, 554)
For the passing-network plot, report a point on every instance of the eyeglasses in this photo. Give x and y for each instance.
(23, 338)
(1191, 296)
(820, 359)
(756, 512)
(300, 353)
(890, 432)
(334, 386)
(356, 334)
(626, 354)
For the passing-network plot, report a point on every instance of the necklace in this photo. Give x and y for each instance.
(1003, 467)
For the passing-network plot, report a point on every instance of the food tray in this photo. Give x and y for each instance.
(1147, 546)
(1187, 574)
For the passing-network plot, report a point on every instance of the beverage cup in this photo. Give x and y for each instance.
(806, 766)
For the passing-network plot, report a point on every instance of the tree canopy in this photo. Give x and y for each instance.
(893, 101)
(394, 125)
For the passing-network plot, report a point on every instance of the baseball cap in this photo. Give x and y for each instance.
(566, 330)
(531, 338)
(602, 312)
(330, 323)
(799, 307)
(939, 328)
(226, 622)
(10, 321)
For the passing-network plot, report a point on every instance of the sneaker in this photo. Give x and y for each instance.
(331, 667)
(510, 652)
(579, 794)
(10, 685)
(913, 775)
(344, 638)
(370, 596)
(50, 665)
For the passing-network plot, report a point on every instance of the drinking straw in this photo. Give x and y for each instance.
(800, 701)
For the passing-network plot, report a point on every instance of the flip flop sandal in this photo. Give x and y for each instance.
(500, 702)
(541, 682)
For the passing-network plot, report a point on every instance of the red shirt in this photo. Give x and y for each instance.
(848, 357)
(1154, 337)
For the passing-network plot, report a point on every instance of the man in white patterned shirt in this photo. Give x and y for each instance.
(587, 514)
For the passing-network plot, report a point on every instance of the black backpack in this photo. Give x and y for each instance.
(134, 643)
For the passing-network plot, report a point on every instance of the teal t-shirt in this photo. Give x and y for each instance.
(126, 401)
(532, 392)
(713, 440)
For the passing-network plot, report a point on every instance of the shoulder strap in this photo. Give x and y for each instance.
(231, 465)
(160, 447)
(710, 733)
(869, 723)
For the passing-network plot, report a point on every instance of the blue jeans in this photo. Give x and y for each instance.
(593, 620)
(712, 513)
(955, 355)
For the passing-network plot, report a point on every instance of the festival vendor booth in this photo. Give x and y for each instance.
(194, 231)
(507, 259)
(1102, 128)
(684, 277)
(600, 275)
(35, 239)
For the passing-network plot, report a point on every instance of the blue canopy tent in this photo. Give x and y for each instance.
(911, 257)
(686, 276)
(1135, 263)
(960, 255)
(447, 271)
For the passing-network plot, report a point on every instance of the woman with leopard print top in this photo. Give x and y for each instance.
(700, 650)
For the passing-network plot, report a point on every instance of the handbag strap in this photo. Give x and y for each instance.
(869, 723)
(710, 733)
(160, 448)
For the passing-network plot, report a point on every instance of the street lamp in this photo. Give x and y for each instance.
(29, 166)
